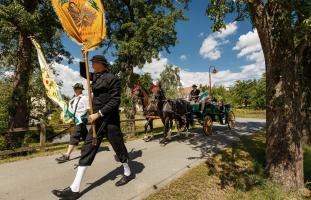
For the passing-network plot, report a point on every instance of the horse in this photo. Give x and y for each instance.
(180, 111)
(152, 108)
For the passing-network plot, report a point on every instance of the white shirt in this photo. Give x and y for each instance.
(82, 108)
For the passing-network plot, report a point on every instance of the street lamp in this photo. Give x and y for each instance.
(210, 79)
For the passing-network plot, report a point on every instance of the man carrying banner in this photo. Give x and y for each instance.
(106, 101)
(78, 108)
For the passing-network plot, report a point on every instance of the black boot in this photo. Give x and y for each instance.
(63, 158)
(124, 180)
(67, 193)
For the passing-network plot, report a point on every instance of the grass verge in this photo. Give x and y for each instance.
(249, 113)
(237, 172)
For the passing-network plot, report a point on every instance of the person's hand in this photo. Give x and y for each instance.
(69, 121)
(93, 117)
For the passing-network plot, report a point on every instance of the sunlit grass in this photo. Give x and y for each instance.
(237, 172)
(249, 113)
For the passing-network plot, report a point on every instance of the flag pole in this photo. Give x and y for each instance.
(89, 94)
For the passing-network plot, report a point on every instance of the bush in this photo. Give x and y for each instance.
(2, 143)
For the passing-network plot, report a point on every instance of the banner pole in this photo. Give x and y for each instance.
(90, 95)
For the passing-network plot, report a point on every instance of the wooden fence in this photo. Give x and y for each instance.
(41, 128)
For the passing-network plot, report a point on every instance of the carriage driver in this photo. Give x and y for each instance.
(194, 94)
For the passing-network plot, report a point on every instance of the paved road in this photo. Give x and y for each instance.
(153, 165)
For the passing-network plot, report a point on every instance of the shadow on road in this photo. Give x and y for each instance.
(136, 168)
(221, 136)
(101, 148)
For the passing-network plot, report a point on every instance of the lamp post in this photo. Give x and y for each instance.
(210, 79)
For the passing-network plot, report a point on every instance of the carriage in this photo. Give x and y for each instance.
(213, 112)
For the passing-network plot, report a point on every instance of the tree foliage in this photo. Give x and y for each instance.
(138, 30)
(243, 93)
(32, 18)
(170, 81)
(19, 20)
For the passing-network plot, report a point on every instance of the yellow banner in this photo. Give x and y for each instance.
(83, 20)
(51, 87)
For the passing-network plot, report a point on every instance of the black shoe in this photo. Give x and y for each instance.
(124, 180)
(63, 158)
(165, 141)
(67, 193)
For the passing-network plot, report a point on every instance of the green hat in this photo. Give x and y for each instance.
(78, 85)
(99, 59)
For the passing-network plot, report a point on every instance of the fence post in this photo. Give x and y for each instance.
(42, 135)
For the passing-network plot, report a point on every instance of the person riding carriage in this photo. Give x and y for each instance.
(194, 94)
(203, 98)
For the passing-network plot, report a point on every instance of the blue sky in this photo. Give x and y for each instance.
(236, 51)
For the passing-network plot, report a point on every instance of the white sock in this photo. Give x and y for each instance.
(127, 170)
(75, 186)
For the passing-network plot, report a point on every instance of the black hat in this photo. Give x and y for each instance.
(78, 85)
(99, 59)
(194, 85)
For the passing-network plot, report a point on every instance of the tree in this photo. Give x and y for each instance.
(258, 94)
(170, 81)
(280, 24)
(138, 31)
(242, 92)
(146, 81)
(5, 83)
(303, 40)
(220, 93)
(20, 19)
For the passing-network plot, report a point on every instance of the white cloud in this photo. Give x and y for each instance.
(69, 77)
(211, 45)
(183, 57)
(230, 29)
(74, 60)
(7, 74)
(154, 68)
(224, 77)
(249, 47)
(201, 35)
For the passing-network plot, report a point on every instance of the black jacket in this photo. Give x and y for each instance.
(195, 92)
(106, 89)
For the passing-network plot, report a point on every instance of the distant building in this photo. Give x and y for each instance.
(183, 93)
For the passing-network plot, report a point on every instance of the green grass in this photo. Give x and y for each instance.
(307, 165)
(249, 113)
(237, 172)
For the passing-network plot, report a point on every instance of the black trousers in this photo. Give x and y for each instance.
(115, 137)
(78, 134)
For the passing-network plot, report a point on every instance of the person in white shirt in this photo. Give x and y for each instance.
(78, 108)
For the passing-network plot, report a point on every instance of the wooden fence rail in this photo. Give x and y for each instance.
(41, 128)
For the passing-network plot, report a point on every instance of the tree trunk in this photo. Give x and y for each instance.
(19, 108)
(284, 154)
(306, 80)
(130, 110)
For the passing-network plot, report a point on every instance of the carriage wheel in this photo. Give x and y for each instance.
(231, 120)
(207, 125)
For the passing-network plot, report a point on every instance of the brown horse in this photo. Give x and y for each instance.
(180, 111)
(152, 108)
